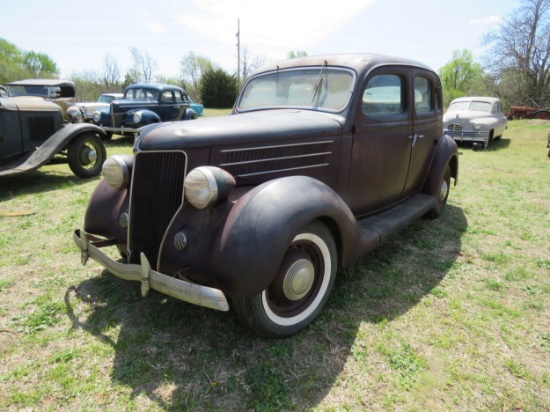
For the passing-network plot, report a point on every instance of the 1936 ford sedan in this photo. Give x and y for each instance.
(322, 159)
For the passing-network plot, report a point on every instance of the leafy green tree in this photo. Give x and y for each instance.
(295, 54)
(218, 89)
(192, 68)
(462, 76)
(39, 65)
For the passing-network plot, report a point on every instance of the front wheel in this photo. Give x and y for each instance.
(86, 155)
(300, 289)
(442, 196)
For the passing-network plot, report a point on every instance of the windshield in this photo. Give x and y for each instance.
(471, 105)
(311, 88)
(106, 99)
(141, 94)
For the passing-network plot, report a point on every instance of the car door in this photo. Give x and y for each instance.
(381, 147)
(427, 127)
(168, 109)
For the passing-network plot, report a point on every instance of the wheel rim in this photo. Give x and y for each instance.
(444, 190)
(88, 155)
(301, 283)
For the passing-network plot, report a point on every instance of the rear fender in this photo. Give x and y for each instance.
(446, 154)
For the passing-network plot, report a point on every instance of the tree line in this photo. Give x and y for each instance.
(516, 68)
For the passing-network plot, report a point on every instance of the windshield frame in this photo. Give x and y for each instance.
(312, 96)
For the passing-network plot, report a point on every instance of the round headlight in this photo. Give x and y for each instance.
(477, 126)
(74, 114)
(97, 116)
(116, 170)
(207, 186)
(137, 117)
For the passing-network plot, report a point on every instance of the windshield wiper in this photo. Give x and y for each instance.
(318, 83)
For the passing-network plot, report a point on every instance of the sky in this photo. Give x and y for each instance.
(79, 35)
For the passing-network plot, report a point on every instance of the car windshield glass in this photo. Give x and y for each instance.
(311, 88)
(106, 99)
(471, 105)
(141, 94)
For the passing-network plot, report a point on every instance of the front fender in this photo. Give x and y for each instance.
(147, 117)
(261, 225)
(51, 147)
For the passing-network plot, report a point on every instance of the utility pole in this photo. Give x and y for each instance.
(238, 53)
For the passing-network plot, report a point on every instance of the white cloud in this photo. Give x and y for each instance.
(272, 28)
(486, 20)
(156, 28)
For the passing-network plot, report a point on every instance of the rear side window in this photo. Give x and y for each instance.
(384, 95)
(422, 94)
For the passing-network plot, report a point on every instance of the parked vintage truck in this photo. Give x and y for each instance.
(322, 159)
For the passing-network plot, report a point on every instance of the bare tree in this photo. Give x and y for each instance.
(251, 62)
(143, 67)
(520, 54)
(111, 74)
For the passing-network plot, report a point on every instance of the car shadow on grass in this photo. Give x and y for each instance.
(44, 179)
(184, 357)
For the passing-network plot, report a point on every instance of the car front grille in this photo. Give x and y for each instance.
(156, 195)
(40, 127)
(455, 127)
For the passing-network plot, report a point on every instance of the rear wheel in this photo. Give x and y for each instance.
(542, 114)
(86, 154)
(442, 196)
(300, 289)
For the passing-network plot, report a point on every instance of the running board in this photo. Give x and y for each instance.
(388, 223)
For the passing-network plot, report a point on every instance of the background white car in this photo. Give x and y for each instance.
(88, 109)
(475, 119)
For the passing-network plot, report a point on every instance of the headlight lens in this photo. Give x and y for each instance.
(137, 117)
(477, 126)
(116, 170)
(74, 114)
(97, 116)
(207, 186)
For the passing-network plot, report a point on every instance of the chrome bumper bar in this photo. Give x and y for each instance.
(150, 279)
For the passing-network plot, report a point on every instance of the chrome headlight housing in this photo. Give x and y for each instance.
(207, 186)
(117, 169)
(97, 116)
(137, 117)
(477, 126)
(74, 114)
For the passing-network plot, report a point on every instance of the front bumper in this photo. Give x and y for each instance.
(150, 279)
(462, 136)
(119, 130)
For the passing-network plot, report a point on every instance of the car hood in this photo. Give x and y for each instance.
(464, 115)
(257, 127)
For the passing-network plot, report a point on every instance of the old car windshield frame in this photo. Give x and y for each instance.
(296, 88)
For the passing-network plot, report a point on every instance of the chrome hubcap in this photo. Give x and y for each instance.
(298, 279)
(444, 190)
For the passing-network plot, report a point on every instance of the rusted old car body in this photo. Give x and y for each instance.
(321, 160)
(32, 133)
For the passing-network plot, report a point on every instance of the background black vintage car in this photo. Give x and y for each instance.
(322, 159)
(144, 104)
(32, 133)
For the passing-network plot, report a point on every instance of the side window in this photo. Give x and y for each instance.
(384, 95)
(422, 94)
(167, 97)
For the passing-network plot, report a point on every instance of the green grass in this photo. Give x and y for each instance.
(451, 314)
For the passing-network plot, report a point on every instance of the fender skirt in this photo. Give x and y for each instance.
(261, 225)
(51, 147)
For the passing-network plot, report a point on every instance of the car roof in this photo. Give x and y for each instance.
(478, 98)
(157, 86)
(43, 82)
(360, 62)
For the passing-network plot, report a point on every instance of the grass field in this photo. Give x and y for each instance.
(449, 315)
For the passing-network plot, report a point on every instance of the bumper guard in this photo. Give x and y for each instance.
(150, 279)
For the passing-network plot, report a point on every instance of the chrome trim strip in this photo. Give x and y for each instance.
(283, 170)
(150, 279)
(272, 159)
(274, 147)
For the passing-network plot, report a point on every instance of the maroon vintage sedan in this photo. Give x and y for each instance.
(322, 159)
